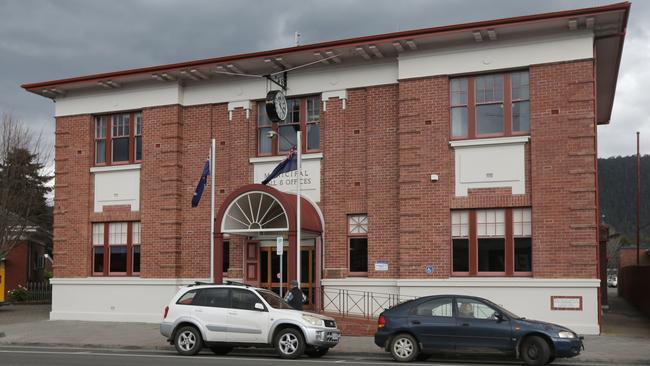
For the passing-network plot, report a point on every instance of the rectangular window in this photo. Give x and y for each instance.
(135, 242)
(520, 102)
(100, 139)
(493, 242)
(303, 115)
(522, 232)
(313, 123)
(358, 241)
(460, 240)
(118, 138)
(490, 105)
(98, 248)
(226, 256)
(138, 136)
(458, 97)
(115, 252)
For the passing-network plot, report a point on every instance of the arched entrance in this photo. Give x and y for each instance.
(260, 214)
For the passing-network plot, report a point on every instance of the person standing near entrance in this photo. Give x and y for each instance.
(295, 297)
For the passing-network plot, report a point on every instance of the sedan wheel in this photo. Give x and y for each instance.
(535, 351)
(188, 341)
(289, 343)
(404, 348)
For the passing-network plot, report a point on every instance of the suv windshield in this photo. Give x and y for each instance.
(274, 300)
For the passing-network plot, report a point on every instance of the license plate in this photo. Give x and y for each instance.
(335, 336)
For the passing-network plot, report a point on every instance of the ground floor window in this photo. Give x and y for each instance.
(116, 249)
(495, 242)
(358, 244)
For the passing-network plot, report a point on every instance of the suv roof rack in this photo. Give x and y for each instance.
(228, 282)
(235, 283)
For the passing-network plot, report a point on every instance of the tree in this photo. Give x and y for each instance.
(24, 213)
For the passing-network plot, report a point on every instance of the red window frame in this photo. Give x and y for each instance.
(108, 138)
(509, 250)
(472, 104)
(349, 238)
(106, 248)
(303, 122)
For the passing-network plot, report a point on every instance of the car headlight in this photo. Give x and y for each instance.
(565, 334)
(318, 322)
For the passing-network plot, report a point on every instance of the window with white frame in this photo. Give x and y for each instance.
(491, 241)
(460, 240)
(358, 243)
(116, 248)
(522, 234)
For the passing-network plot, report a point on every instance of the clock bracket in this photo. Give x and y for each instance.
(279, 79)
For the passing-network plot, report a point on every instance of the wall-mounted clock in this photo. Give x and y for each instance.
(276, 106)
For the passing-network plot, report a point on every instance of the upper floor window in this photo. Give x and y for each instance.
(490, 105)
(118, 138)
(303, 115)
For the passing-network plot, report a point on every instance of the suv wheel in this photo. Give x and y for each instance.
(316, 352)
(188, 341)
(404, 348)
(289, 343)
(535, 351)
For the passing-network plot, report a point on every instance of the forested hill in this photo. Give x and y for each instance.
(617, 190)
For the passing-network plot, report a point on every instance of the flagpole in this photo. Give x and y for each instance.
(298, 227)
(212, 174)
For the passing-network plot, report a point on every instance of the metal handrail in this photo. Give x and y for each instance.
(360, 303)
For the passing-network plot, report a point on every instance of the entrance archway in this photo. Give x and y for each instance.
(260, 214)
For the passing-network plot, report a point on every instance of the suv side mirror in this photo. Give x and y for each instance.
(259, 306)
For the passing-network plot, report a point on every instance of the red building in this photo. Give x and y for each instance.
(456, 159)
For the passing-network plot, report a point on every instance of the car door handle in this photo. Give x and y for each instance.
(465, 324)
(198, 310)
(415, 322)
(232, 313)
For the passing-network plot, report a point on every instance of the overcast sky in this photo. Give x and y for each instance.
(45, 40)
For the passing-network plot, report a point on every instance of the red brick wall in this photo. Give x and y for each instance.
(73, 200)
(378, 155)
(627, 257)
(563, 160)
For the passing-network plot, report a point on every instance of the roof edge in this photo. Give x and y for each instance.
(328, 44)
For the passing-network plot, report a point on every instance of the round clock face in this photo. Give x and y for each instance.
(276, 106)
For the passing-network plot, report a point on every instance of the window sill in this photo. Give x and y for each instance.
(357, 274)
(490, 141)
(279, 158)
(114, 168)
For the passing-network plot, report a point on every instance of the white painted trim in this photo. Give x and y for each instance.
(127, 281)
(491, 141)
(341, 94)
(115, 168)
(358, 281)
(279, 158)
(497, 55)
(245, 104)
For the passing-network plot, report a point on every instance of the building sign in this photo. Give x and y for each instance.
(566, 302)
(428, 269)
(309, 175)
(381, 266)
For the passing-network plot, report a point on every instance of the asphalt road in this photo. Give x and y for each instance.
(38, 356)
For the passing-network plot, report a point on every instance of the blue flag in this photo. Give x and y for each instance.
(198, 192)
(286, 165)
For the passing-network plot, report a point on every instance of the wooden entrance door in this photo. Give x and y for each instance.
(270, 268)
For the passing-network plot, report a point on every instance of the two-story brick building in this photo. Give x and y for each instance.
(456, 159)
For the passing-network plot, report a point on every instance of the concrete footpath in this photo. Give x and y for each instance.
(625, 339)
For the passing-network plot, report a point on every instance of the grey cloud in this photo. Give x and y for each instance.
(48, 40)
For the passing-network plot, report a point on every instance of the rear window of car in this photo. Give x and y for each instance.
(213, 297)
(441, 307)
(187, 298)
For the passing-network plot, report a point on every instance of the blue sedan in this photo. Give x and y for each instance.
(453, 323)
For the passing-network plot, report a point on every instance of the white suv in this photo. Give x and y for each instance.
(225, 316)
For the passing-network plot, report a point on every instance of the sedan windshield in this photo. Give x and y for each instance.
(274, 300)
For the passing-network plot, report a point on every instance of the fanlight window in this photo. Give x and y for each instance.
(254, 212)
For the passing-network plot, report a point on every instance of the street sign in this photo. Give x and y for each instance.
(429, 269)
(279, 246)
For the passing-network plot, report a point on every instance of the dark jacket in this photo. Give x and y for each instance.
(296, 298)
